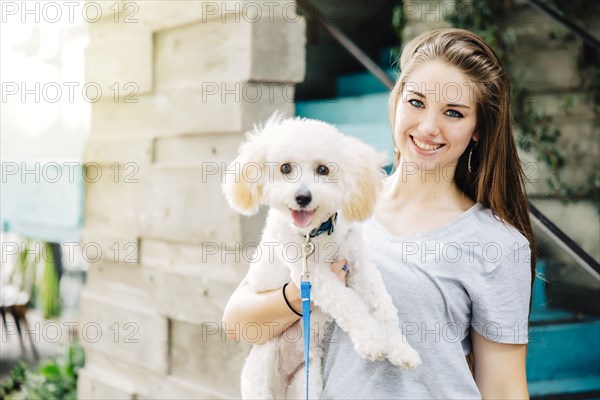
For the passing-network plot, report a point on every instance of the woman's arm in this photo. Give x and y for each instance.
(267, 311)
(247, 310)
(499, 368)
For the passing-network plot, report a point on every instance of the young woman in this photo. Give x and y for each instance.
(451, 236)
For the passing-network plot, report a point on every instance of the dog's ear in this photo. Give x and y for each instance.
(243, 180)
(364, 175)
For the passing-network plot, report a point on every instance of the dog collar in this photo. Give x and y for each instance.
(326, 226)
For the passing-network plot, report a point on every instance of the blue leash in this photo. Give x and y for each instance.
(309, 248)
(305, 294)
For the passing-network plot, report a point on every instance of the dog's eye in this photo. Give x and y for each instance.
(322, 170)
(285, 168)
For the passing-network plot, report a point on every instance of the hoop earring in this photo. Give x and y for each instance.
(470, 155)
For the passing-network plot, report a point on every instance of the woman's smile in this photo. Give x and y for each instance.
(425, 148)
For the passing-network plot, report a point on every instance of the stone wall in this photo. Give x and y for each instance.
(193, 76)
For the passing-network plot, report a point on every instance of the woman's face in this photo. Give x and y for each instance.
(435, 117)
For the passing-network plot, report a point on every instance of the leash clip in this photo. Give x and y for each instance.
(308, 250)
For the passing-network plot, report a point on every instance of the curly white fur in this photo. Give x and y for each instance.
(363, 308)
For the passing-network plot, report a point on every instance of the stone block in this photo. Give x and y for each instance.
(219, 52)
(95, 11)
(554, 104)
(272, 97)
(123, 151)
(198, 299)
(287, 36)
(181, 207)
(150, 115)
(202, 52)
(209, 261)
(222, 107)
(536, 174)
(97, 384)
(531, 69)
(113, 196)
(197, 354)
(169, 14)
(133, 334)
(175, 388)
(134, 285)
(213, 149)
(119, 61)
(108, 246)
(150, 385)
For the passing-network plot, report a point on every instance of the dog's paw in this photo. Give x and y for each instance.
(369, 344)
(371, 351)
(405, 357)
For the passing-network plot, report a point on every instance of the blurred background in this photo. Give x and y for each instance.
(118, 117)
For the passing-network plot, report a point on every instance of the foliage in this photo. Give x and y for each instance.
(54, 379)
(40, 282)
(49, 292)
(14, 382)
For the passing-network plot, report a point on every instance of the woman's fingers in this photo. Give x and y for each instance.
(340, 269)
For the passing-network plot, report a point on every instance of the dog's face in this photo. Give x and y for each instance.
(305, 169)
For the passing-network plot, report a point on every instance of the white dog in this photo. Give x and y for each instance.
(311, 176)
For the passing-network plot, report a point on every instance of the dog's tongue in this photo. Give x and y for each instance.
(302, 218)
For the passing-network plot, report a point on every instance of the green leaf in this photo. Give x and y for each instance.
(50, 371)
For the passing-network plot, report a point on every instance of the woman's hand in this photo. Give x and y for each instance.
(337, 267)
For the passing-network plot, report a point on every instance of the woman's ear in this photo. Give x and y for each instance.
(243, 180)
(364, 175)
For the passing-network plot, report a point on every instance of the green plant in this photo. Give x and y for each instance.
(55, 379)
(49, 292)
(14, 381)
(41, 284)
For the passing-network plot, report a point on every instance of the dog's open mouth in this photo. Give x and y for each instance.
(302, 218)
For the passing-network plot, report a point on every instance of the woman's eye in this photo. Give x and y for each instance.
(416, 103)
(285, 168)
(454, 114)
(322, 170)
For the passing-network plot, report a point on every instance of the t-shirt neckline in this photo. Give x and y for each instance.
(448, 226)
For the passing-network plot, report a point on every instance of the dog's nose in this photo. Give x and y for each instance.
(303, 198)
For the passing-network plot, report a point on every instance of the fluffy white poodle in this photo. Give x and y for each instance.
(315, 180)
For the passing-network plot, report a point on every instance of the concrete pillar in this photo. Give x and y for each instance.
(181, 82)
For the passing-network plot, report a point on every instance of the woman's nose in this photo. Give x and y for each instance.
(429, 124)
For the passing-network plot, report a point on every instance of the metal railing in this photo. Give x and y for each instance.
(580, 256)
(574, 28)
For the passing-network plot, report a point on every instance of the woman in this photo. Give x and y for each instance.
(450, 234)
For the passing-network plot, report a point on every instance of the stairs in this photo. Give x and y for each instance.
(563, 359)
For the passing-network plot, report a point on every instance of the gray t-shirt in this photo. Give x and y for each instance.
(474, 271)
